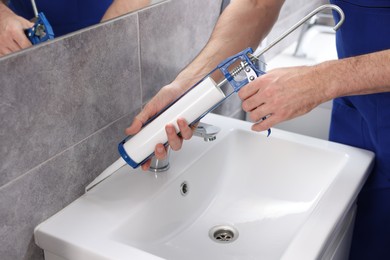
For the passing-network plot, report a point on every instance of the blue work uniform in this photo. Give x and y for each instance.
(64, 16)
(364, 121)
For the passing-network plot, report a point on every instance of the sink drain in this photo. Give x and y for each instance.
(223, 234)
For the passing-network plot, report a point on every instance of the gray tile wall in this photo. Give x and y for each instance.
(170, 41)
(64, 106)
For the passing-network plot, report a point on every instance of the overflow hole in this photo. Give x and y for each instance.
(184, 188)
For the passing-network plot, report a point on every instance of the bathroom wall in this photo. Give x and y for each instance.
(64, 106)
(291, 13)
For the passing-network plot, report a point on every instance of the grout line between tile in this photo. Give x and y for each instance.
(60, 153)
(139, 58)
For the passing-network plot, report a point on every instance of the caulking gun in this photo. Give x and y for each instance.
(203, 97)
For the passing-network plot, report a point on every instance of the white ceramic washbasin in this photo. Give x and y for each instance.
(283, 197)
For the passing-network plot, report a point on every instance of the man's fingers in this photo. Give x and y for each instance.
(9, 45)
(4, 51)
(185, 131)
(247, 91)
(146, 165)
(21, 40)
(266, 123)
(175, 141)
(135, 127)
(149, 111)
(160, 151)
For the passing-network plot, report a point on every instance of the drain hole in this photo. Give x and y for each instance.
(223, 234)
(184, 188)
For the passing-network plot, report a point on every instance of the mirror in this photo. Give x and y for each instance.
(64, 16)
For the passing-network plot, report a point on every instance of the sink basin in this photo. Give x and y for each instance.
(243, 196)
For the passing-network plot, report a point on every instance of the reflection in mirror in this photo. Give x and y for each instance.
(64, 16)
(118, 8)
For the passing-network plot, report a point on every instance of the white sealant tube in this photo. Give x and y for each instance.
(190, 107)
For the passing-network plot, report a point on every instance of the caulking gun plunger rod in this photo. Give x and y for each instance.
(34, 6)
(239, 68)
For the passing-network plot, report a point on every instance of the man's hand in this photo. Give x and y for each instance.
(12, 37)
(166, 95)
(282, 94)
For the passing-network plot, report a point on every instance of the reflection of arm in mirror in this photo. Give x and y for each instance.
(120, 7)
(64, 16)
(12, 26)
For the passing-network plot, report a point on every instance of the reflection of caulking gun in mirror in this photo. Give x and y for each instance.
(41, 30)
(203, 97)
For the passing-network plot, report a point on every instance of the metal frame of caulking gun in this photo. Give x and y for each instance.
(246, 62)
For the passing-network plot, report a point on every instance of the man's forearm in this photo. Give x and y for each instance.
(121, 7)
(244, 23)
(364, 74)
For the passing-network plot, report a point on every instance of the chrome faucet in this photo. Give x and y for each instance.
(206, 131)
